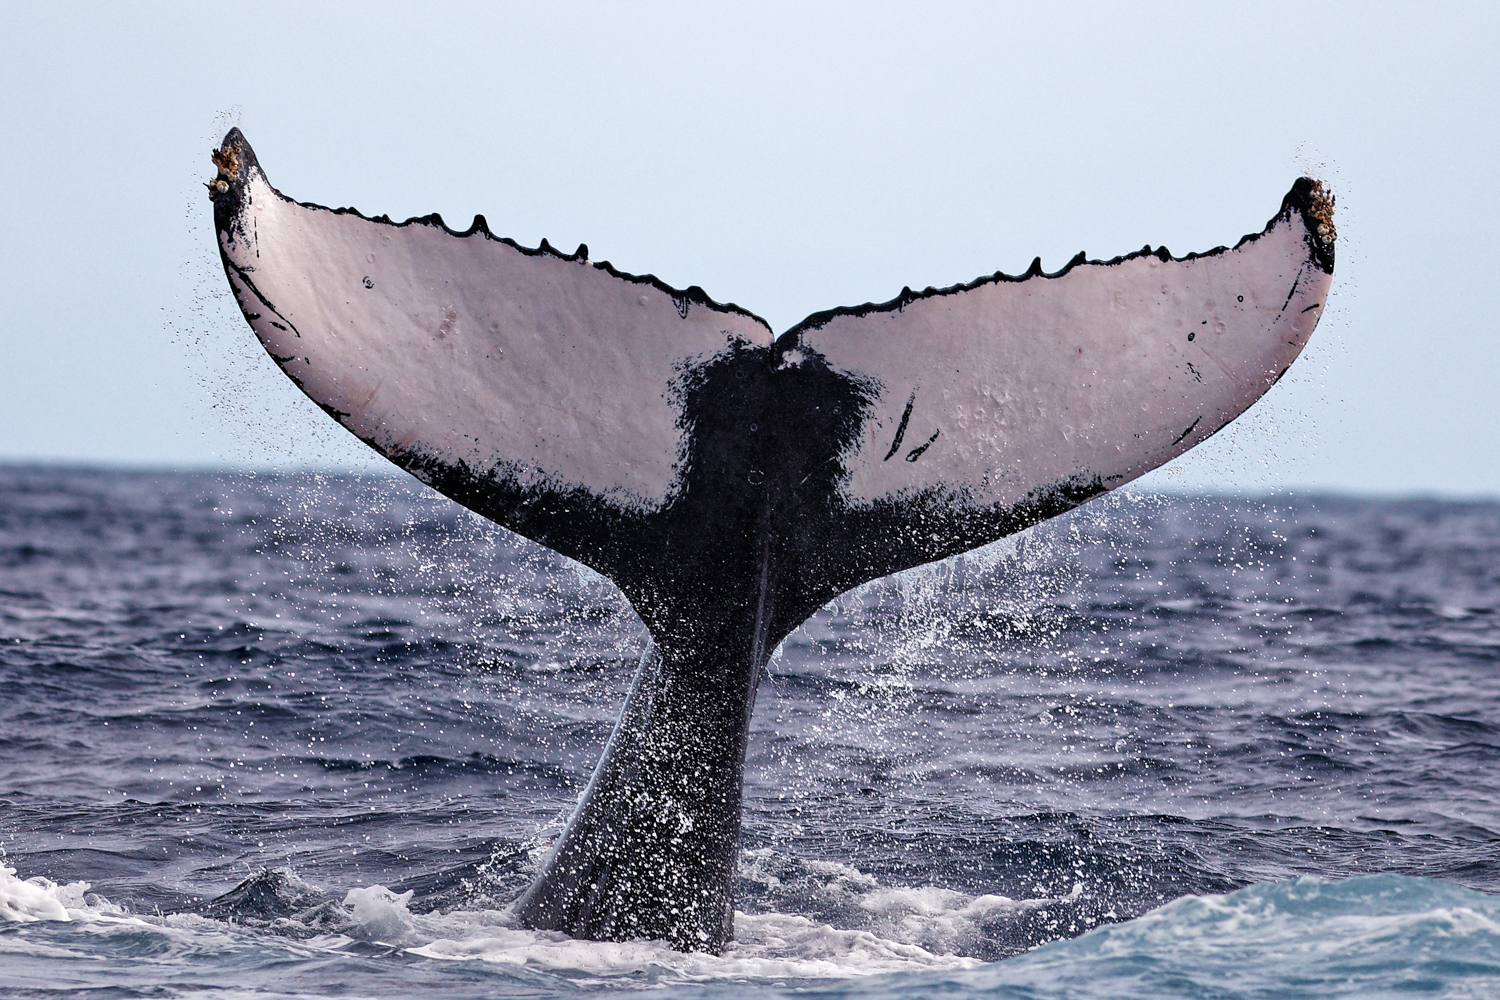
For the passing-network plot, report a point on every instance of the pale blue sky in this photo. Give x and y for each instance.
(785, 157)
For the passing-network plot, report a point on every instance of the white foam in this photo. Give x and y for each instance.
(40, 898)
(943, 920)
(898, 930)
(893, 929)
(769, 946)
(382, 915)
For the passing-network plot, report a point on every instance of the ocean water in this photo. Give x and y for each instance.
(307, 736)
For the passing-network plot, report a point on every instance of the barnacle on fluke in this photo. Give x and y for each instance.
(1320, 207)
(731, 481)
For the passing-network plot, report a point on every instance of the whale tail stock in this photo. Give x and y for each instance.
(730, 481)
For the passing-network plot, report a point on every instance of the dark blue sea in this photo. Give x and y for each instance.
(307, 736)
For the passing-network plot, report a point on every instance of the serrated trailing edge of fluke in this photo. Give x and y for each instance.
(1309, 198)
(237, 162)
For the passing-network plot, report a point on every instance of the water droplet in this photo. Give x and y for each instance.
(756, 477)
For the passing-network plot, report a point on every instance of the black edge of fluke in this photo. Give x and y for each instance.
(1308, 197)
(235, 150)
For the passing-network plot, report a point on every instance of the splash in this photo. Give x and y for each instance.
(39, 898)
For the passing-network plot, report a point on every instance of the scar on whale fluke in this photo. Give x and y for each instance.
(732, 481)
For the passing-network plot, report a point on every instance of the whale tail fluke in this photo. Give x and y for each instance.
(731, 482)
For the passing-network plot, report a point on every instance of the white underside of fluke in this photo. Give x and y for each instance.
(472, 350)
(1108, 370)
(467, 349)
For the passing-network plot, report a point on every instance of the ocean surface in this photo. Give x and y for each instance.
(307, 736)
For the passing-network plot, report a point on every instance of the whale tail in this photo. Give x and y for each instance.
(729, 481)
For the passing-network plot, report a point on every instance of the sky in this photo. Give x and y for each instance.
(785, 157)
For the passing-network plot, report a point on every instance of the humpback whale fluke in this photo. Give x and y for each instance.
(731, 481)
